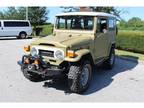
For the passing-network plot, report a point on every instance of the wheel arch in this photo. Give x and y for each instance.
(112, 45)
(81, 54)
(88, 57)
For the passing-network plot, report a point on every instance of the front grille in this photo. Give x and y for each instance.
(46, 53)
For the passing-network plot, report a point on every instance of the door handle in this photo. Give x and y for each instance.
(2, 28)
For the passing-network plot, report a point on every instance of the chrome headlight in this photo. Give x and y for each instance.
(33, 52)
(59, 55)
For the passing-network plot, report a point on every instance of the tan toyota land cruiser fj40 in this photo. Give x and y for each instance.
(79, 41)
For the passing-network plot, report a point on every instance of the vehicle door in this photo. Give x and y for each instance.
(101, 38)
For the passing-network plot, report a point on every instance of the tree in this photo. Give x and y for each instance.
(36, 15)
(135, 22)
(70, 9)
(11, 13)
(1, 15)
(123, 24)
(21, 11)
(111, 10)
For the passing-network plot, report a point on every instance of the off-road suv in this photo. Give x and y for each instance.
(79, 41)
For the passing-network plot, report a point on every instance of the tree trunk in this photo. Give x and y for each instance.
(34, 30)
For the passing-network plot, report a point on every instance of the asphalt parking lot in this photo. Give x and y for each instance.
(124, 83)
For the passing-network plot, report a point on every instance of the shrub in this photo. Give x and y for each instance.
(130, 41)
(45, 30)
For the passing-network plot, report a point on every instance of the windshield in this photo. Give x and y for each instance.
(75, 22)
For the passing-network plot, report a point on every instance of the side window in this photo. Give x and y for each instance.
(61, 23)
(68, 23)
(0, 23)
(88, 23)
(83, 23)
(77, 23)
(102, 25)
(111, 24)
(15, 24)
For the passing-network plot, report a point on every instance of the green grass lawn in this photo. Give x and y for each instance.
(129, 54)
(130, 40)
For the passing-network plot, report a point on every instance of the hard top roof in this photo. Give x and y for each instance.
(86, 14)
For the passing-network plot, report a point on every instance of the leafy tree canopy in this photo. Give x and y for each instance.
(111, 10)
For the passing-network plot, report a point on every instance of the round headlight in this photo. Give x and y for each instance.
(33, 52)
(59, 55)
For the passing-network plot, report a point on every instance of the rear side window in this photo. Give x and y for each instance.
(15, 24)
(112, 24)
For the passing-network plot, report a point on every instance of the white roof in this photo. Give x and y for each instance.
(14, 20)
(86, 14)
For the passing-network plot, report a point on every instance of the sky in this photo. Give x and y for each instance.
(129, 12)
(132, 12)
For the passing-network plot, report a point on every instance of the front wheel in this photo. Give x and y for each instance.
(79, 77)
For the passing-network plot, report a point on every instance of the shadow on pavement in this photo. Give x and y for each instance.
(101, 78)
(58, 85)
(13, 38)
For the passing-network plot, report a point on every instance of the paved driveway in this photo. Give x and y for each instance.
(124, 83)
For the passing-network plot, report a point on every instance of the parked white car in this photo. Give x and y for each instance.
(19, 28)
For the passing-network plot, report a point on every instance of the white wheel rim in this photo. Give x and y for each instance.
(84, 75)
(22, 35)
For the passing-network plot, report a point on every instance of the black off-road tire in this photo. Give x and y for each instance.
(74, 77)
(109, 63)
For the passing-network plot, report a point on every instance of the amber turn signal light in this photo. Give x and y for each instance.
(27, 48)
(71, 54)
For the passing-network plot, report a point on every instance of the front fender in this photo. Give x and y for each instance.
(79, 54)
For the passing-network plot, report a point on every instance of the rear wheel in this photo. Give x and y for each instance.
(79, 77)
(109, 63)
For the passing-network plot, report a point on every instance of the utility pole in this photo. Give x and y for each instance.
(26, 13)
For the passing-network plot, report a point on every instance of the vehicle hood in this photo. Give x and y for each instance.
(63, 40)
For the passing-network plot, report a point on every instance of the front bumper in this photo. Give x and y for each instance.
(43, 69)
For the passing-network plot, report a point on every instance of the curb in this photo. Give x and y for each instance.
(130, 59)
